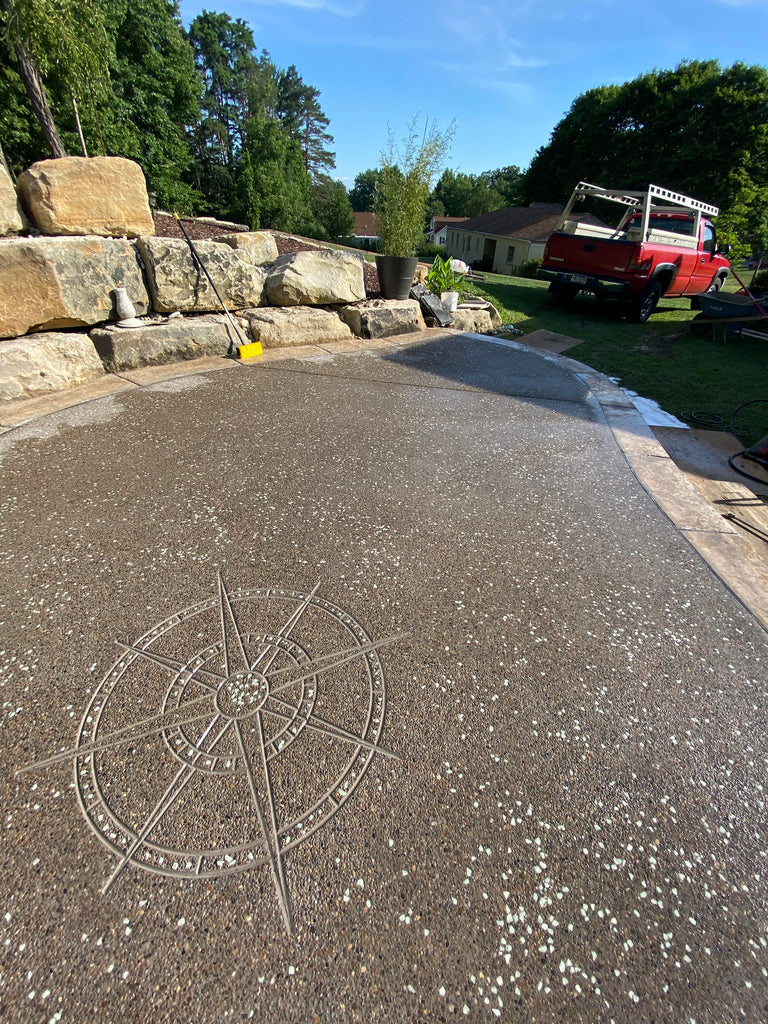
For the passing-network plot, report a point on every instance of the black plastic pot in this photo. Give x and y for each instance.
(395, 275)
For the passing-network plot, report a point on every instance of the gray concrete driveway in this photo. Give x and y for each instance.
(370, 686)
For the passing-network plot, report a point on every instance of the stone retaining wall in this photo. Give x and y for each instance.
(66, 276)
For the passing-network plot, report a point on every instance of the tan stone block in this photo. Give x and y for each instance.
(297, 325)
(49, 283)
(42, 363)
(320, 278)
(256, 247)
(12, 219)
(383, 318)
(102, 195)
(176, 282)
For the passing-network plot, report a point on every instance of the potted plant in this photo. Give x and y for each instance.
(402, 190)
(442, 281)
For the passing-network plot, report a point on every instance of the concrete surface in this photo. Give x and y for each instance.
(507, 762)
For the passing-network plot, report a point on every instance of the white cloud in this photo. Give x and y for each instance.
(347, 9)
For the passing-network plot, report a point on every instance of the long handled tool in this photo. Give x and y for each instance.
(749, 293)
(199, 262)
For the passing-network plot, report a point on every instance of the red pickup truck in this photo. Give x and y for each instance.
(665, 244)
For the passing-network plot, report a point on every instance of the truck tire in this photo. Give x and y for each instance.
(563, 294)
(647, 302)
(716, 285)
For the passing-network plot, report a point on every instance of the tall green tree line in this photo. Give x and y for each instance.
(216, 127)
(699, 129)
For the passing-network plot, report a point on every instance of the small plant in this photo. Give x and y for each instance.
(442, 277)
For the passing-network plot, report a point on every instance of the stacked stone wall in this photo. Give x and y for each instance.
(78, 240)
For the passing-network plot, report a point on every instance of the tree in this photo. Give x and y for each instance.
(231, 74)
(154, 96)
(64, 39)
(363, 194)
(273, 187)
(300, 114)
(22, 134)
(697, 129)
(454, 190)
(506, 182)
(332, 209)
(469, 195)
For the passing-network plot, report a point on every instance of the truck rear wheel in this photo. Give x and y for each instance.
(647, 302)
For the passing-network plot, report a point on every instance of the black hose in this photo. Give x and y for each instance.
(712, 419)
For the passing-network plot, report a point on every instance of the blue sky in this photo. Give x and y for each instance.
(506, 72)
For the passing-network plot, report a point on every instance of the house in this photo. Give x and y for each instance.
(502, 240)
(366, 226)
(438, 228)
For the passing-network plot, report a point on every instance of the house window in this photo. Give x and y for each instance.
(510, 254)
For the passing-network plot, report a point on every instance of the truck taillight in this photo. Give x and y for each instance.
(546, 248)
(637, 266)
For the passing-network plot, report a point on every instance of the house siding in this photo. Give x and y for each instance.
(471, 247)
(504, 239)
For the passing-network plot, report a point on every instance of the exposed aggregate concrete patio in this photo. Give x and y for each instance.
(507, 762)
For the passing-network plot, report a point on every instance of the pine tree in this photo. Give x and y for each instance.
(301, 115)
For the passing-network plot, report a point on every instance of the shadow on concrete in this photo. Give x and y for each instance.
(494, 367)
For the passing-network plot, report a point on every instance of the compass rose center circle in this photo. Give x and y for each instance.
(242, 694)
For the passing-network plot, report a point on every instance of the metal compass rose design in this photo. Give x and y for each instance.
(228, 734)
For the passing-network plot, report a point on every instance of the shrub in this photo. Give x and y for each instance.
(760, 282)
(530, 268)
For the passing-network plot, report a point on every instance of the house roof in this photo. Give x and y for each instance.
(533, 223)
(441, 222)
(366, 224)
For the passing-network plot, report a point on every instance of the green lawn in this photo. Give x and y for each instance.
(660, 359)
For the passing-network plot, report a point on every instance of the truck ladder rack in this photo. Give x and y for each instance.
(635, 199)
(680, 200)
(642, 201)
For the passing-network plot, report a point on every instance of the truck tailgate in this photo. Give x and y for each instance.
(588, 255)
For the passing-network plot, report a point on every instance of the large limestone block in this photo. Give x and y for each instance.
(256, 247)
(47, 283)
(380, 318)
(46, 362)
(187, 337)
(100, 195)
(477, 321)
(12, 219)
(176, 282)
(298, 325)
(482, 304)
(319, 278)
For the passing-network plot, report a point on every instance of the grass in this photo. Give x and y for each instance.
(693, 378)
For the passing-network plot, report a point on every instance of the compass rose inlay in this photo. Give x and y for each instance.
(228, 734)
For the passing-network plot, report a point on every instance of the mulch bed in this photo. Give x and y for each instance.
(199, 230)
